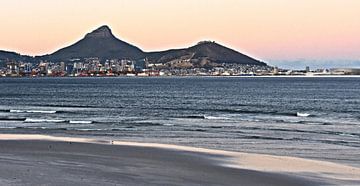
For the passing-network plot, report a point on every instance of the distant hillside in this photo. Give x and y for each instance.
(99, 43)
(209, 51)
(10, 56)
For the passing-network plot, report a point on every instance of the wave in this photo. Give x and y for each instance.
(262, 138)
(327, 141)
(62, 129)
(12, 119)
(80, 122)
(216, 127)
(340, 142)
(34, 111)
(232, 111)
(89, 130)
(206, 117)
(216, 118)
(41, 128)
(237, 111)
(145, 124)
(300, 114)
(195, 130)
(29, 120)
(76, 106)
(348, 134)
(194, 117)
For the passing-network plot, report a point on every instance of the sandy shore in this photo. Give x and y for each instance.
(45, 160)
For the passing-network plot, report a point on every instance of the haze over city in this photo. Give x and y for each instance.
(321, 33)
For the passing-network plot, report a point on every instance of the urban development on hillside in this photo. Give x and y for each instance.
(100, 53)
(94, 67)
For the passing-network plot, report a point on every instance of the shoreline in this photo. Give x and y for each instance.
(281, 168)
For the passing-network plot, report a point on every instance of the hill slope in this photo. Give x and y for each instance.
(210, 51)
(99, 43)
(6, 55)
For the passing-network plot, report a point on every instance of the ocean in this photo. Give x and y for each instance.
(317, 118)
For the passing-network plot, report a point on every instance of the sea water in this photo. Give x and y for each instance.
(317, 118)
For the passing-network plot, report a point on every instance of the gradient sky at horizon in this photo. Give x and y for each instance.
(266, 29)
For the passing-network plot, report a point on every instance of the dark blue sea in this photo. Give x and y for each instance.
(317, 118)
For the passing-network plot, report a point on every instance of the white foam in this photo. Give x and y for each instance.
(29, 120)
(299, 114)
(80, 122)
(34, 111)
(216, 118)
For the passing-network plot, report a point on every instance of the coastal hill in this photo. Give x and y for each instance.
(205, 53)
(103, 44)
(99, 43)
(5, 55)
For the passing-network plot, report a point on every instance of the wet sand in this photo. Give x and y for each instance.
(43, 160)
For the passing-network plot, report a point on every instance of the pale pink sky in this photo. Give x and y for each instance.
(266, 29)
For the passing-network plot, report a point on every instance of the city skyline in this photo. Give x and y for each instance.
(282, 31)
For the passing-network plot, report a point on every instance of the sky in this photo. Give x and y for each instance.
(275, 31)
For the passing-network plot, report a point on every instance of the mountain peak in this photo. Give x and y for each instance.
(99, 43)
(101, 32)
(205, 42)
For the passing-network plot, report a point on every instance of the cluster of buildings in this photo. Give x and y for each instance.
(94, 67)
(76, 67)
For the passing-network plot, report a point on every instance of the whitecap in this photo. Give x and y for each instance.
(29, 120)
(34, 111)
(216, 118)
(80, 122)
(299, 114)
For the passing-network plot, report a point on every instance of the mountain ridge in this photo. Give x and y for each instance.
(103, 44)
(8, 55)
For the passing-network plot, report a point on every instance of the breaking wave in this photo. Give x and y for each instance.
(216, 118)
(80, 122)
(34, 111)
(29, 120)
(207, 117)
(301, 114)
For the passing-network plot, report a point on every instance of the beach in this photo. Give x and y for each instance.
(46, 160)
